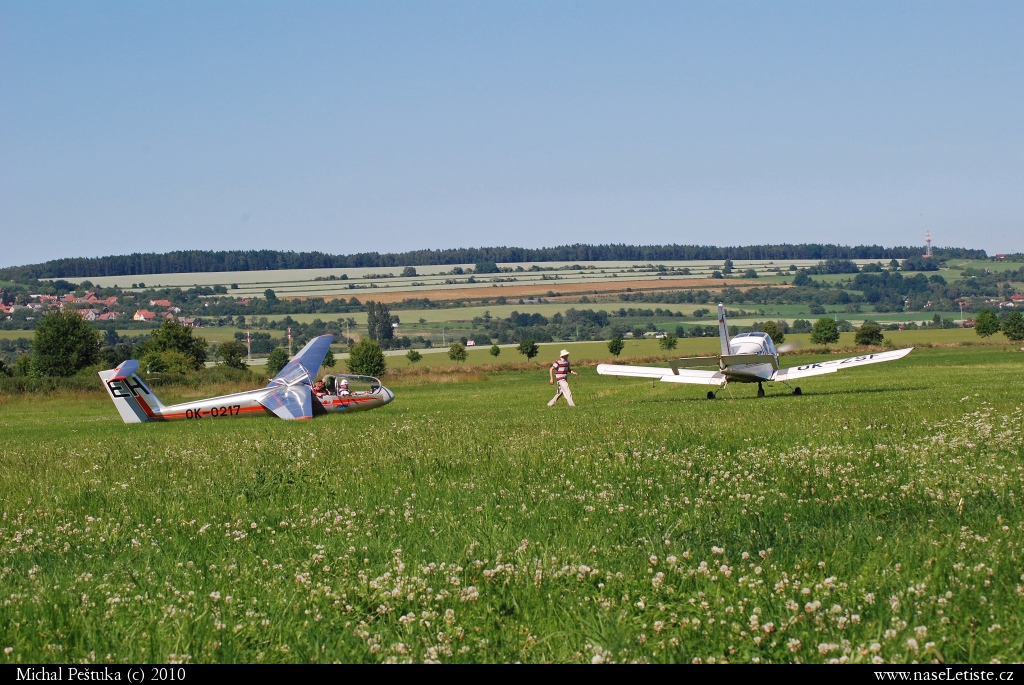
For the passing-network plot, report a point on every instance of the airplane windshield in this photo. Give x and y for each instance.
(753, 343)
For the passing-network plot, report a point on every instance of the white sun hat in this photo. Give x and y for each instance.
(563, 353)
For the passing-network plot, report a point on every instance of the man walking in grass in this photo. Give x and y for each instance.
(559, 373)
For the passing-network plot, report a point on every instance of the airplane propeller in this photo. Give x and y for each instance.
(789, 347)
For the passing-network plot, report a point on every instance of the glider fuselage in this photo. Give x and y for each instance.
(290, 395)
(248, 403)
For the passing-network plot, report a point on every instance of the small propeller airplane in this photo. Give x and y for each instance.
(747, 358)
(289, 395)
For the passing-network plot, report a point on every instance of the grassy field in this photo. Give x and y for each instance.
(877, 517)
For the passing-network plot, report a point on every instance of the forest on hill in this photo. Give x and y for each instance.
(204, 261)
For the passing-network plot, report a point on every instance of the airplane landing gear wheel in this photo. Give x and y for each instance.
(797, 391)
(711, 395)
(760, 390)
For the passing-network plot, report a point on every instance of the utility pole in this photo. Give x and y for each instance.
(248, 345)
(289, 342)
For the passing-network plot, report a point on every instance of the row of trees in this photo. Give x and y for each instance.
(199, 261)
(988, 323)
(65, 344)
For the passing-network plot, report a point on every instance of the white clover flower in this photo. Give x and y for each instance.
(793, 644)
(215, 596)
(921, 631)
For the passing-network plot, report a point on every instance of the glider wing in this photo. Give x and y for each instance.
(290, 403)
(306, 362)
(292, 392)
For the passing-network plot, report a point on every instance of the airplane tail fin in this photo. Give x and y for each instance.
(134, 400)
(723, 331)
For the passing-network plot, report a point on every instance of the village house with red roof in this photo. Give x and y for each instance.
(144, 315)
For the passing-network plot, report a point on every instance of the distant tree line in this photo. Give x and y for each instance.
(201, 261)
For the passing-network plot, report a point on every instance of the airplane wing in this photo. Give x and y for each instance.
(290, 402)
(632, 371)
(307, 362)
(292, 395)
(684, 375)
(695, 377)
(783, 375)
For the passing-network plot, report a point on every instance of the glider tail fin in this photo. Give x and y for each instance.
(723, 331)
(134, 400)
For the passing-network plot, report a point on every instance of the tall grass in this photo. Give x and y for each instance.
(878, 517)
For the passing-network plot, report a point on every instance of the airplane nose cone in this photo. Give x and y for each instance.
(386, 394)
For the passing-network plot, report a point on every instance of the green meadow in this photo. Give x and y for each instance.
(879, 517)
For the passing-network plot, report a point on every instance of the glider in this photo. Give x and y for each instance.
(747, 358)
(289, 395)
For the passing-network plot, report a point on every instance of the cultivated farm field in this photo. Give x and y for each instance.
(877, 517)
(385, 284)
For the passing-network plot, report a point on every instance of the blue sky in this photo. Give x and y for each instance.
(384, 126)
